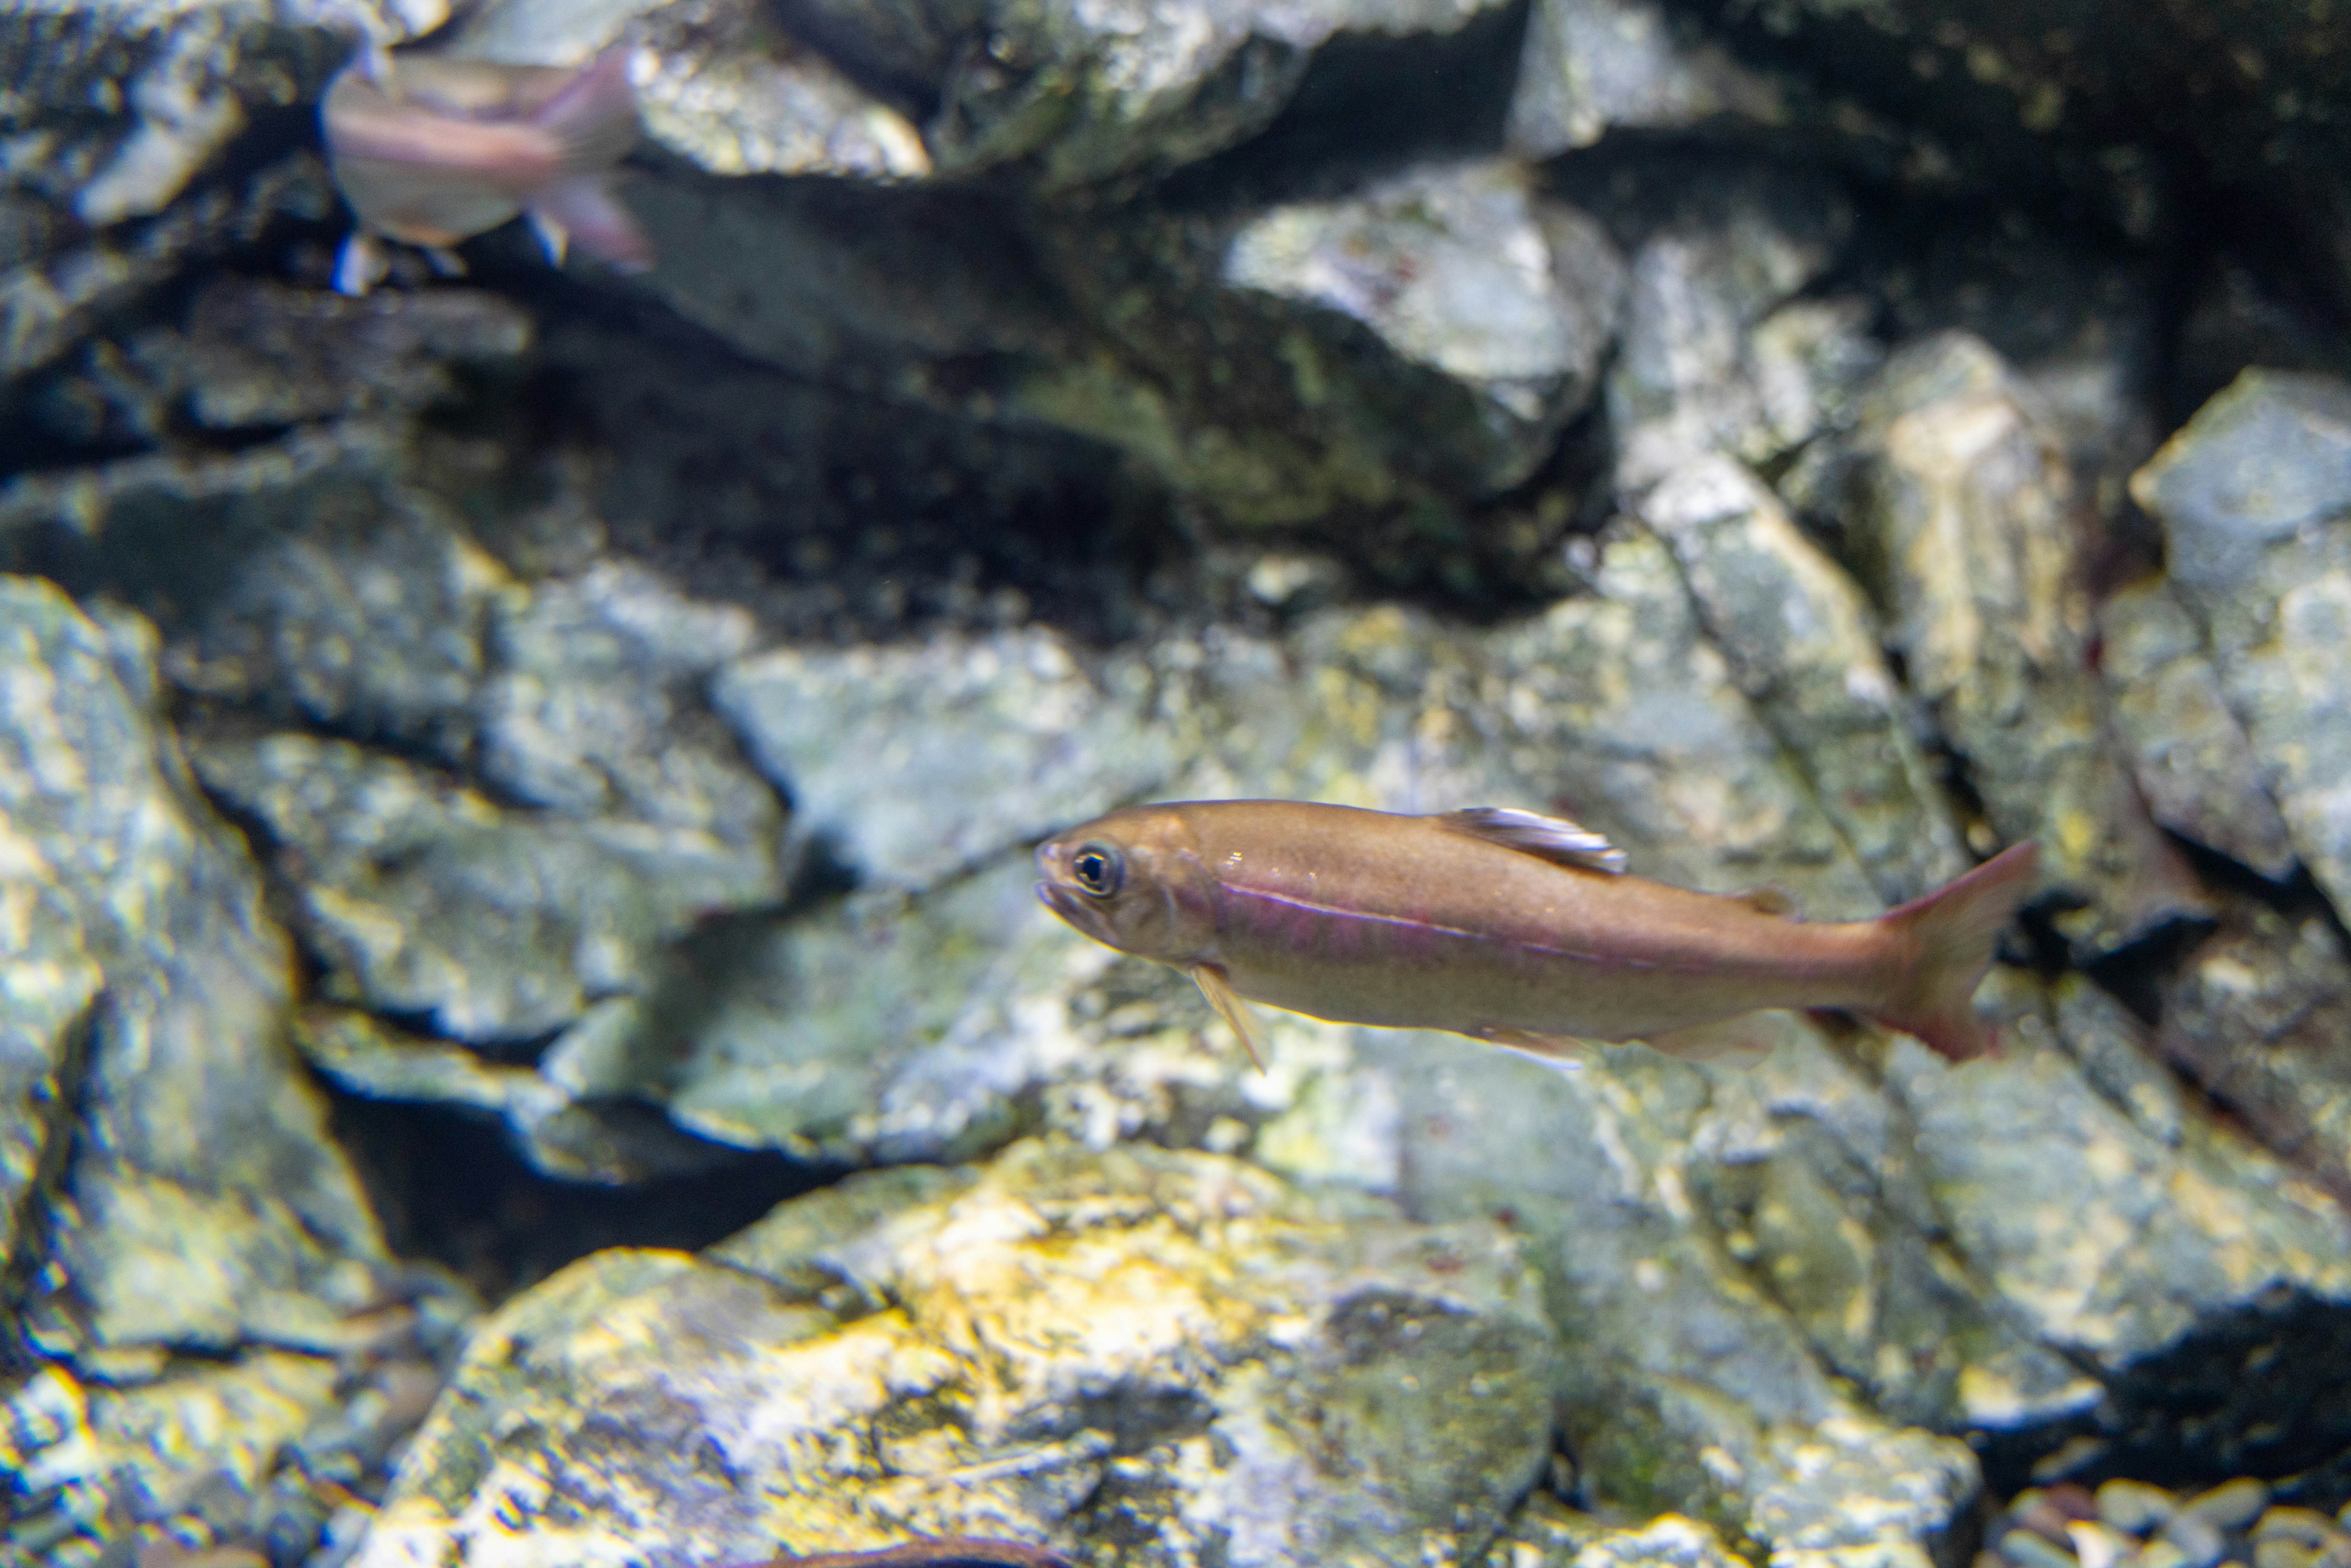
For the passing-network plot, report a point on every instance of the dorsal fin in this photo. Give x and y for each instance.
(1553, 839)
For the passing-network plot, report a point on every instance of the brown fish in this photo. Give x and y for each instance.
(1517, 928)
(430, 150)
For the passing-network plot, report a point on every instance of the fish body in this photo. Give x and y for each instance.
(430, 150)
(1502, 924)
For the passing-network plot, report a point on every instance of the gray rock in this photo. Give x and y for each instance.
(1694, 374)
(1803, 644)
(554, 1118)
(367, 612)
(1083, 93)
(722, 87)
(188, 75)
(210, 1207)
(1591, 66)
(2254, 496)
(1154, 1349)
(1626, 712)
(2256, 1016)
(143, 510)
(1690, 1388)
(596, 706)
(1963, 533)
(258, 354)
(991, 742)
(423, 897)
(1457, 271)
(1979, 1132)
(69, 280)
(2192, 761)
(1416, 343)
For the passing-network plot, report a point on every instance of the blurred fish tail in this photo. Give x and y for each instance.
(593, 118)
(1947, 940)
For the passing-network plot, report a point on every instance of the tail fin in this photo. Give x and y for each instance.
(593, 118)
(1947, 938)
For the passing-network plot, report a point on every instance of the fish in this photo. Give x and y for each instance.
(430, 150)
(1508, 925)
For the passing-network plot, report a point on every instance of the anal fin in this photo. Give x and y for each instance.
(1564, 1048)
(1230, 1003)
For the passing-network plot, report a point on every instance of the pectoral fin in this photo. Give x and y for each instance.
(1772, 899)
(1553, 839)
(1228, 1002)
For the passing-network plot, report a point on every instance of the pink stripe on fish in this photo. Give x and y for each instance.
(1307, 923)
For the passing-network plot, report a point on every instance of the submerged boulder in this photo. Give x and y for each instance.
(1142, 1355)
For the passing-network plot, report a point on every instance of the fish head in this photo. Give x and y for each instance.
(1133, 881)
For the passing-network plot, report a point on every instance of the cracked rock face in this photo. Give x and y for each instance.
(1148, 1353)
(2255, 499)
(1963, 533)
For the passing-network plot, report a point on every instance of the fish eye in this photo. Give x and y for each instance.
(1099, 868)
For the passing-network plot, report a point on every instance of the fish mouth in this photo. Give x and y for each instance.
(1075, 909)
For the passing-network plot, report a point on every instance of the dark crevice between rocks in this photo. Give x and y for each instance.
(32, 1234)
(841, 518)
(2263, 1389)
(1367, 105)
(449, 1188)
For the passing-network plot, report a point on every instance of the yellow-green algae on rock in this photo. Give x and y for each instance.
(1141, 1357)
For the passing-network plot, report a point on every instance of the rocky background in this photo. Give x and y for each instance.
(524, 1034)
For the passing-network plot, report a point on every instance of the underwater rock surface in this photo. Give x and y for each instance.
(196, 1289)
(1148, 1353)
(492, 752)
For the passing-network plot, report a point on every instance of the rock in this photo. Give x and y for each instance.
(1695, 375)
(1082, 94)
(1803, 645)
(2254, 496)
(2256, 1016)
(1962, 534)
(366, 612)
(554, 1120)
(2135, 1508)
(119, 116)
(254, 1227)
(2231, 1505)
(723, 87)
(70, 280)
(994, 742)
(200, 1290)
(243, 1457)
(1418, 342)
(1459, 271)
(261, 355)
(188, 74)
(1157, 1349)
(596, 707)
(138, 514)
(1689, 1387)
(2159, 1269)
(423, 897)
(1592, 66)
(2193, 763)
